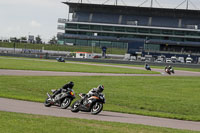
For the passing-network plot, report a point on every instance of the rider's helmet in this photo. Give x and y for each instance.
(100, 88)
(71, 84)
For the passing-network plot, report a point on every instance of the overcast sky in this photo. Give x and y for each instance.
(39, 17)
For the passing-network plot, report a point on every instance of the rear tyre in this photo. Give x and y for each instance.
(75, 107)
(66, 102)
(96, 108)
(47, 102)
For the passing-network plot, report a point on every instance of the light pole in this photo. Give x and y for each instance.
(93, 44)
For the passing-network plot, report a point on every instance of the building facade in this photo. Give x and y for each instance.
(140, 29)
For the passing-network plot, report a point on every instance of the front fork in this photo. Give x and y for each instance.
(49, 96)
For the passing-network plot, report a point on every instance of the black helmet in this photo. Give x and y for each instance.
(100, 88)
(71, 84)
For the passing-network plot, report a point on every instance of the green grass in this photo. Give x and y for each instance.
(26, 123)
(44, 65)
(130, 65)
(63, 48)
(152, 66)
(159, 67)
(170, 97)
(180, 68)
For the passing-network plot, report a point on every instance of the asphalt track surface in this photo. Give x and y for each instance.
(19, 106)
(38, 108)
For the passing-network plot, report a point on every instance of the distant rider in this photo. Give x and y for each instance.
(169, 68)
(166, 68)
(147, 66)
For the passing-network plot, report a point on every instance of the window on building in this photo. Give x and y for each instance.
(128, 29)
(122, 29)
(179, 32)
(95, 27)
(168, 32)
(71, 26)
(143, 30)
(83, 26)
(107, 28)
(155, 31)
(192, 33)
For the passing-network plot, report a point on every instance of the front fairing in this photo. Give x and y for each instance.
(102, 98)
(71, 94)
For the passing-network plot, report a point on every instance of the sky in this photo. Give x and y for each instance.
(19, 18)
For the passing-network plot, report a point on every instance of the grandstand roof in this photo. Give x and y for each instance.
(132, 10)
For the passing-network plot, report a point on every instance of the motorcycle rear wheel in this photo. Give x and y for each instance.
(66, 103)
(75, 107)
(47, 103)
(96, 108)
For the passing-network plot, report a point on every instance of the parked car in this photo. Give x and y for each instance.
(159, 60)
(173, 59)
(181, 60)
(96, 56)
(168, 60)
(189, 60)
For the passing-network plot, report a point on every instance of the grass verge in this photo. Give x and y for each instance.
(49, 65)
(26, 123)
(170, 97)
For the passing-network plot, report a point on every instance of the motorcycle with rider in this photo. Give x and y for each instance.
(147, 67)
(61, 97)
(60, 59)
(169, 70)
(91, 102)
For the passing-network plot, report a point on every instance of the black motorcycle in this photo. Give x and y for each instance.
(60, 59)
(148, 68)
(93, 104)
(62, 100)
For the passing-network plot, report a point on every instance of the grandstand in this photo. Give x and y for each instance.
(141, 29)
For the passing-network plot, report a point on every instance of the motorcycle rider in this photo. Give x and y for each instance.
(65, 88)
(147, 67)
(93, 92)
(166, 68)
(169, 67)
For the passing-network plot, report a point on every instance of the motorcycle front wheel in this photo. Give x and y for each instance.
(75, 106)
(96, 108)
(47, 103)
(66, 102)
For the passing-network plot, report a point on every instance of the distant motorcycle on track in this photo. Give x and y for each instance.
(60, 59)
(169, 71)
(147, 67)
